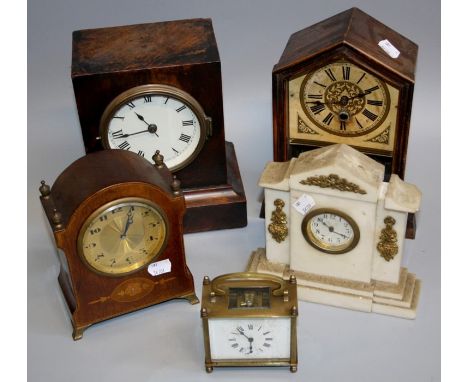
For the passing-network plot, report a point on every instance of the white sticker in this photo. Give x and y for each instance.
(159, 267)
(304, 204)
(388, 47)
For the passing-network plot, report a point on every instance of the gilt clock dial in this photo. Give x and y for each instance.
(344, 99)
(330, 231)
(122, 237)
(156, 117)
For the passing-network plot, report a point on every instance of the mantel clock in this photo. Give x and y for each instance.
(249, 319)
(119, 236)
(157, 86)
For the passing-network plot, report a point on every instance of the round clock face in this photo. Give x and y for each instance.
(250, 338)
(155, 117)
(343, 99)
(123, 236)
(330, 231)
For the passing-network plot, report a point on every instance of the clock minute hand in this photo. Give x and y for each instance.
(346, 237)
(127, 224)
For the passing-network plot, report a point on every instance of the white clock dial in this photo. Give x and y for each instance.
(155, 122)
(250, 338)
(330, 231)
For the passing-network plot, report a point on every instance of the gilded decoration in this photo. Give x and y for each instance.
(302, 127)
(333, 181)
(278, 227)
(387, 245)
(383, 137)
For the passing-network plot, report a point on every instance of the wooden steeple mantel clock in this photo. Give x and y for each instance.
(333, 222)
(119, 236)
(348, 79)
(157, 86)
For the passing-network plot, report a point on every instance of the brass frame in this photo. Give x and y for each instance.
(116, 203)
(142, 90)
(324, 247)
(334, 132)
(283, 303)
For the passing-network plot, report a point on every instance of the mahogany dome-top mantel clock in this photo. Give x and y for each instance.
(348, 79)
(117, 223)
(157, 86)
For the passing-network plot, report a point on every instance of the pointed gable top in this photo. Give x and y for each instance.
(355, 29)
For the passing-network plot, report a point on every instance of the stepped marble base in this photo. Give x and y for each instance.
(399, 300)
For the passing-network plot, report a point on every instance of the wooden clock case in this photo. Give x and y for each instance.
(182, 54)
(79, 191)
(352, 35)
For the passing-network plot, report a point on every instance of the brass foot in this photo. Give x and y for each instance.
(293, 369)
(78, 332)
(209, 369)
(192, 298)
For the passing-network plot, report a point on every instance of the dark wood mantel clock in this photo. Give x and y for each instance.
(117, 222)
(348, 79)
(157, 86)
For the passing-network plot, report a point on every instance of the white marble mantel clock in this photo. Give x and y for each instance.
(333, 222)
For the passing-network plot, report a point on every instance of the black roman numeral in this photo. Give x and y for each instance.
(117, 134)
(147, 98)
(314, 96)
(131, 105)
(250, 326)
(181, 108)
(369, 115)
(360, 78)
(319, 84)
(125, 145)
(318, 108)
(370, 90)
(346, 72)
(359, 123)
(187, 123)
(343, 125)
(167, 99)
(141, 153)
(185, 138)
(173, 149)
(117, 117)
(330, 74)
(328, 118)
(374, 102)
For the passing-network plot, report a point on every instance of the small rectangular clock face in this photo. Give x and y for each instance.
(342, 103)
(250, 338)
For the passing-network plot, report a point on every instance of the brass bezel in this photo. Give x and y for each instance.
(333, 250)
(334, 132)
(166, 90)
(283, 303)
(115, 204)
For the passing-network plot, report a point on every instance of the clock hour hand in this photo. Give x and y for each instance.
(152, 128)
(249, 338)
(127, 224)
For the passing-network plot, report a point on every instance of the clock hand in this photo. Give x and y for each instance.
(152, 128)
(346, 237)
(127, 224)
(127, 135)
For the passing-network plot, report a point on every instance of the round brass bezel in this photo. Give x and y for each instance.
(323, 247)
(159, 89)
(335, 132)
(108, 207)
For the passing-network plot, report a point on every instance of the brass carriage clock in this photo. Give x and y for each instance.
(117, 222)
(249, 319)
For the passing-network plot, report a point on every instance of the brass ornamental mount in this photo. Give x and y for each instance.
(333, 181)
(249, 319)
(278, 227)
(387, 246)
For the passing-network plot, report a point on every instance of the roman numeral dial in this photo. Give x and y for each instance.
(156, 117)
(344, 99)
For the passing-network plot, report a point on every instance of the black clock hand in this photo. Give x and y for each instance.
(127, 135)
(127, 224)
(346, 237)
(152, 128)
(140, 117)
(249, 338)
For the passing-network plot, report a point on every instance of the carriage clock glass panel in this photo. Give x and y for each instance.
(123, 236)
(156, 117)
(343, 103)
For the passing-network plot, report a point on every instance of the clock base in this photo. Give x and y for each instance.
(217, 207)
(399, 300)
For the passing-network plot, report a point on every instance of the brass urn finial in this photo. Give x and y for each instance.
(175, 185)
(44, 189)
(158, 159)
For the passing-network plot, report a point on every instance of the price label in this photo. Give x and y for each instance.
(304, 204)
(388, 47)
(159, 267)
